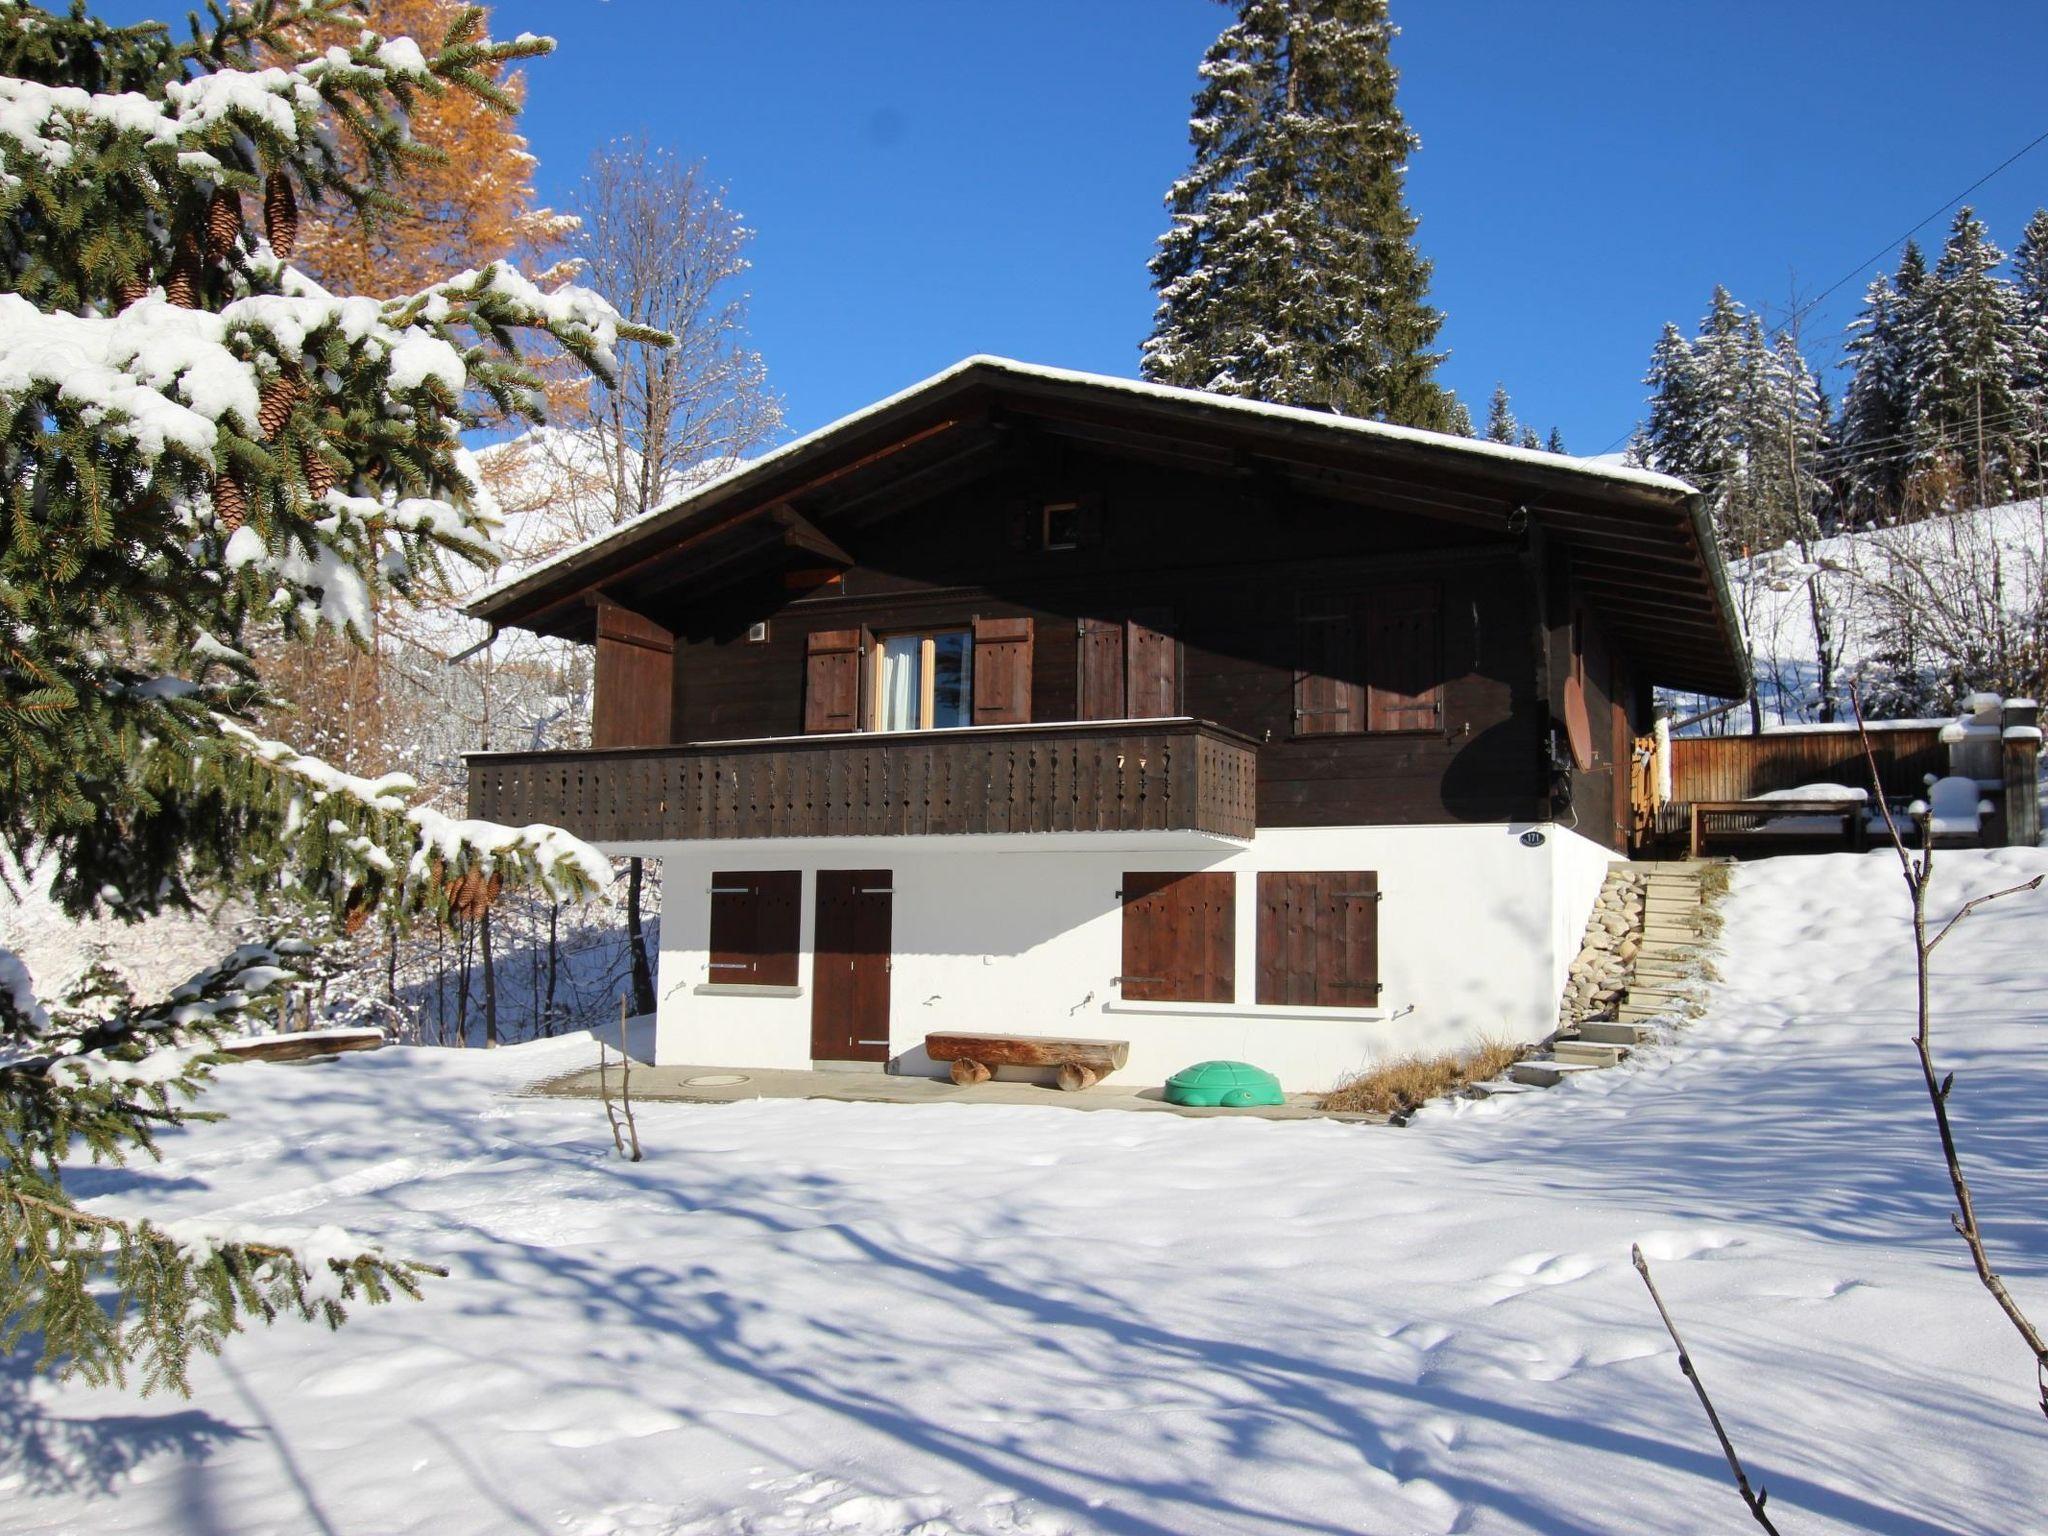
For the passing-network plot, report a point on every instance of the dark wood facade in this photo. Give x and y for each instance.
(1386, 650)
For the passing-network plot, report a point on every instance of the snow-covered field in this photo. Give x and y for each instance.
(801, 1317)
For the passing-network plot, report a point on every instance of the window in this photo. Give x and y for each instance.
(1318, 943)
(1062, 528)
(1129, 670)
(1328, 697)
(1180, 937)
(754, 915)
(924, 682)
(1403, 660)
(1370, 663)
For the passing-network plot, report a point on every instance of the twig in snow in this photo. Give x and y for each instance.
(1754, 1498)
(1918, 873)
(613, 1113)
(604, 1088)
(626, 1082)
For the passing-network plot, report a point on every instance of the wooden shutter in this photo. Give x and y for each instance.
(1318, 942)
(832, 680)
(1002, 671)
(1328, 695)
(1153, 659)
(1404, 659)
(1101, 669)
(635, 683)
(754, 917)
(1180, 937)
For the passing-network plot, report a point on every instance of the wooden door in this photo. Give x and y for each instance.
(850, 966)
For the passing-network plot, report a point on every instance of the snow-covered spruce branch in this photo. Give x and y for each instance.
(226, 123)
(100, 1070)
(181, 1287)
(109, 1078)
(369, 828)
(1918, 873)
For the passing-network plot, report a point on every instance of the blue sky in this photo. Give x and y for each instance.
(933, 179)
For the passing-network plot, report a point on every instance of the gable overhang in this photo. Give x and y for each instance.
(1640, 545)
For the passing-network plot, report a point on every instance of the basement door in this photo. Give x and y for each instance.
(850, 965)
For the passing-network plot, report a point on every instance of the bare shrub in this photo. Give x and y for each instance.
(1404, 1084)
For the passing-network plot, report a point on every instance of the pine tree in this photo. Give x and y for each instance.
(1555, 444)
(1733, 412)
(1289, 272)
(2030, 343)
(1461, 420)
(1501, 426)
(1672, 439)
(1875, 409)
(1531, 439)
(203, 450)
(1962, 334)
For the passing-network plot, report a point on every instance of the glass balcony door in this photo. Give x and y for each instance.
(925, 681)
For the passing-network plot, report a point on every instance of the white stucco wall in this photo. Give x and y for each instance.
(1024, 935)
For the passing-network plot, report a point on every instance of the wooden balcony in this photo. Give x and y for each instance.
(1115, 776)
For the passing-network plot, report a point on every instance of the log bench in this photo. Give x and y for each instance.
(1080, 1063)
(307, 1046)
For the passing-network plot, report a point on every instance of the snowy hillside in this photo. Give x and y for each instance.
(965, 1321)
(1896, 600)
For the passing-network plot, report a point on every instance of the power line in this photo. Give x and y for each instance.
(1879, 255)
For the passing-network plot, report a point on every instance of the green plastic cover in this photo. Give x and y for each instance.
(1229, 1084)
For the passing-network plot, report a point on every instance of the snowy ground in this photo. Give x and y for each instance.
(811, 1317)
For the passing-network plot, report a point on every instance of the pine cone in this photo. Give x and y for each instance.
(223, 224)
(182, 286)
(230, 502)
(280, 214)
(471, 895)
(464, 893)
(356, 911)
(274, 406)
(132, 290)
(321, 476)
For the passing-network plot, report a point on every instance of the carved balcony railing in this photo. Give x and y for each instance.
(1111, 776)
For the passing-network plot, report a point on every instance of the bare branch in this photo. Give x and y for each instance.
(1977, 901)
(1754, 1498)
(1964, 1218)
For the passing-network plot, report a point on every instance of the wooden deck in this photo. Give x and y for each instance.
(1115, 776)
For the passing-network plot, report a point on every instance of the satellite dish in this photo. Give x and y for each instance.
(1578, 726)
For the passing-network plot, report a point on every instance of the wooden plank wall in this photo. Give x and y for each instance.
(1078, 779)
(1229, 570)
(1740, 767)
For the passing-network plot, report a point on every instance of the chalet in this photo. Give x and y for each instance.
(1038, 702)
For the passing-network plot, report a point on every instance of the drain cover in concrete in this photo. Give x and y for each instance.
(716, 1080)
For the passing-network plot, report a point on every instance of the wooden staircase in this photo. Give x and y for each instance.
(1662, 956)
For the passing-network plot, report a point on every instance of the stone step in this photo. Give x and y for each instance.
(1588, 1053)
(1539, 1073)
(1498, 1088)
(1663, 974)
(1612, 1032)
(1676, 899)
(1674, 951)
(1641, 1013)
(1656, 997)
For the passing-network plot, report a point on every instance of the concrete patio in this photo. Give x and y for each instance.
(729, 1085)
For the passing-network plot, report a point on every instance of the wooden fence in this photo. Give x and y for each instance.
(1743, 767)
